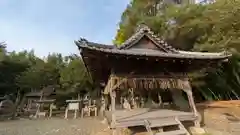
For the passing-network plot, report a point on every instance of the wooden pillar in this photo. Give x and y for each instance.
(113, 97)
(39, 105)
(102, 107)
(193, 107)
(113, 124)
(29, 106)
(51, 108)
(160, 99)
(66, 112)
(89, 107)
(75, 113)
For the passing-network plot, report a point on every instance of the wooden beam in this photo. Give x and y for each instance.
(151, 76)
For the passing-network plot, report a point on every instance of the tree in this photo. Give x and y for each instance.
(74, 77)
(200, 27)
(12, 65)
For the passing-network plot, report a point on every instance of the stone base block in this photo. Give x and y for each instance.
(197, 131)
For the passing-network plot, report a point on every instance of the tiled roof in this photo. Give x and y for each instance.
(84, 42)
(145, 31)
(47, 91)
(155, 53)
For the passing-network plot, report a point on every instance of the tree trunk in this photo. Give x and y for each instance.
(17, 104)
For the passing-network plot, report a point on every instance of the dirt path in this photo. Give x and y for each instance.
(86, 126)
(221, 117)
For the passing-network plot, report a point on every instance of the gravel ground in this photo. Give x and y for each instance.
(57, 126)
(234, 130)
(86, 126)
(222, 117)
(218, 121)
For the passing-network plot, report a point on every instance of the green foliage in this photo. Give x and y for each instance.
(135, 13)
(74, 77)
(25, 71)
(38, 76)
(209, 27)
(199, 27)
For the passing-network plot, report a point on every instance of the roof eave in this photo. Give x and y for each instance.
(163, 56)
(80, 46)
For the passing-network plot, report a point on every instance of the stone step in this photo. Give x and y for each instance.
(175, 132)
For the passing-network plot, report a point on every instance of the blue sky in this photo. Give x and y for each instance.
(52, 25)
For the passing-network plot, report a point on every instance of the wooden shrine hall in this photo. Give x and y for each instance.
(145, 62)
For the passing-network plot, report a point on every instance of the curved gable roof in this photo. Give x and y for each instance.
(142, 31)
(165, 50)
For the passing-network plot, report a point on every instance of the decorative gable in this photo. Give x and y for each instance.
(145, 43)
(144, 38)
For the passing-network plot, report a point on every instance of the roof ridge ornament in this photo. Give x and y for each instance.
(142, 27)
(83, 41)
(225, 52)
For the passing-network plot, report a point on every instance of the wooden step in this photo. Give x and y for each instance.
(129, 124)
(175, 132)
(149, 124)
(163, 122)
